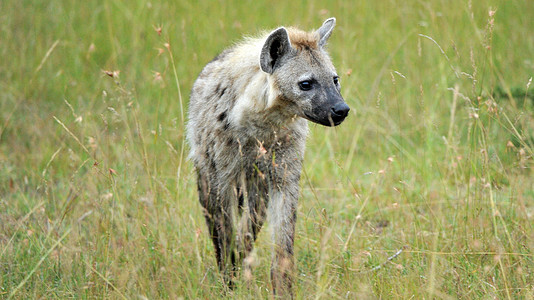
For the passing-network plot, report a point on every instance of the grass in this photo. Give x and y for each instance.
(426, 190)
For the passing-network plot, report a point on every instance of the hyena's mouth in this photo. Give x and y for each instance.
(329, 117)
(331, 121)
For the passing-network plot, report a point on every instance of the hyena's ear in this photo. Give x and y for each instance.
(326, 30)
(276, 46)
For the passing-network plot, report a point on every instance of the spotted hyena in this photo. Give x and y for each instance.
(247, 131)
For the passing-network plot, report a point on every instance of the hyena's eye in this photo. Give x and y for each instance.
(336, 80)
(305, 85)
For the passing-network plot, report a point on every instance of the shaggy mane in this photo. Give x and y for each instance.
(303, 40)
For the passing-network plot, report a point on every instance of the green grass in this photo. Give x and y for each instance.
(98, 200)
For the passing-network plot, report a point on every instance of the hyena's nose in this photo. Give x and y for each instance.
(339, 112)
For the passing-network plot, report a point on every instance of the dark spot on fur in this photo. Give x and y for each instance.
(230, 141)
(219, 90)
(231, 97)
(226, 126)
(222, 116)
(240, 199)
(213, 166)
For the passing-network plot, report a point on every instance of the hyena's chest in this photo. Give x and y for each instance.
(258, 155)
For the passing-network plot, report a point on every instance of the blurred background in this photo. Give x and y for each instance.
(425, 191)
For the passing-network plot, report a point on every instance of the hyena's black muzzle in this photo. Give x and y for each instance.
(338, 113)
(331, 111)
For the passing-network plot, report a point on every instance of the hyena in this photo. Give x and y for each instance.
(247, 131)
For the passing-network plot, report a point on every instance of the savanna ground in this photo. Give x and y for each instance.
(425, 191)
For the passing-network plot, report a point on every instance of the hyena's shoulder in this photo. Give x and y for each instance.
(225, 77)
(210, 103)
(219, 59)
(233, 59)
(208, 87)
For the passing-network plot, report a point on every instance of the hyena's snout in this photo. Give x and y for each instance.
(329, 113)
(336, 109)
(338, 112)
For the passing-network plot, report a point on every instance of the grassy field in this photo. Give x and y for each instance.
(425, 191)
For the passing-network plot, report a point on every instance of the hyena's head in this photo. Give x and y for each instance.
(302, 73)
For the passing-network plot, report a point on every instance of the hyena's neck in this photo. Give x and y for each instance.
(259, 103)
(262, 111)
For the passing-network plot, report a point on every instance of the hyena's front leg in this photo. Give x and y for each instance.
(253, 218)
(219, 220)
(283, 215)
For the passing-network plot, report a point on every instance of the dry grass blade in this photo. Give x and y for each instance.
(45, 58)
(72, 135)
(21, 284)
